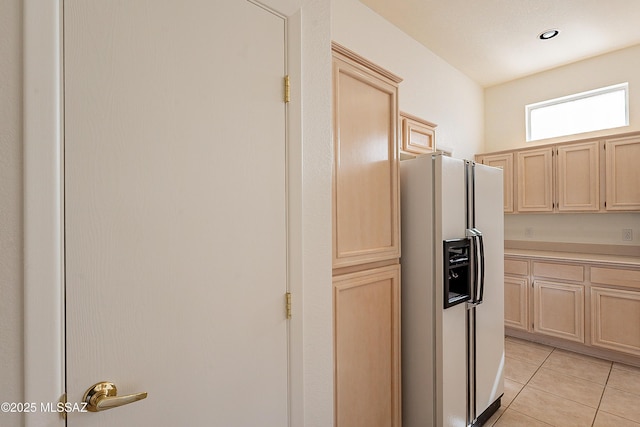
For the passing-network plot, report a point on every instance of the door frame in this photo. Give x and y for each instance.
(43, 205)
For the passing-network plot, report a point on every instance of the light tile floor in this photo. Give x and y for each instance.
(547, 386)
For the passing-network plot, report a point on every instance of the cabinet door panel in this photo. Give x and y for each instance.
(615, 320)
(559, 310)
(365, 184)
(418, 136)
(504, 162)
(623, 174)
(367, 348)
(516, 303)
(535, 180)
(578, 177)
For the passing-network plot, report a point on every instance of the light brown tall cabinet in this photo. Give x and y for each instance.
(366, 243)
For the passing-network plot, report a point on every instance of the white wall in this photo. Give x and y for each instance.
(432, 89)
(505, 103)
(310, 165)
(315, 180)
(604, 229)
(11, 301)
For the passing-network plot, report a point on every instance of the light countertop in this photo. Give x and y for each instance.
(620, 260)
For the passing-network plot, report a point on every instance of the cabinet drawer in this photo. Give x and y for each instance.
(559, 271)
(516, 267)
(616, 276)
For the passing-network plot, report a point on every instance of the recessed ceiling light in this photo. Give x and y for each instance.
(549, 34)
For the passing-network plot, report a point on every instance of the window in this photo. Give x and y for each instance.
(603, 108)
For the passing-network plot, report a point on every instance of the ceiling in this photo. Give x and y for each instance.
(494, 41)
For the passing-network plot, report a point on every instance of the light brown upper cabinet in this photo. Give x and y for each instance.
(535, 180)
(366, 224)
(623, 174)
(578, 167)
(504, 162)
(565, 178)
(576, 176)
(418, 135)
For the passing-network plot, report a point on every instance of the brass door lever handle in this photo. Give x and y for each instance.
(103, 396)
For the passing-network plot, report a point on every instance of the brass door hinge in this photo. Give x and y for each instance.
(288, 305)
(287, 89)
(63, 400)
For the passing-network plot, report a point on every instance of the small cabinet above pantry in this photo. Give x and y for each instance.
(418, 135)
(592, 175)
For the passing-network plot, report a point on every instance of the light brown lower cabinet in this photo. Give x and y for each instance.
(559, 310)
(516, 302)
(367, 348)
(615, 318)
(589, 306)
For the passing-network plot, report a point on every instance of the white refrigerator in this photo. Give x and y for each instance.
(452, 292)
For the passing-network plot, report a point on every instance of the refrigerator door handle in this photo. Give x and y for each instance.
(474, 236)
(477, 243)
(481, 259)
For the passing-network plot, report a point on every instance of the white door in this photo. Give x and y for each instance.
(175, 211)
